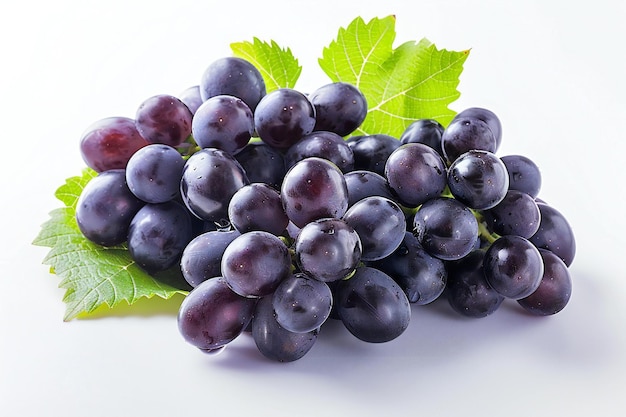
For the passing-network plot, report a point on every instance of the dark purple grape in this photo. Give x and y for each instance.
(426, 131)
(371, 151)
(262, 163)
(257, 206)
(154, 172)
(372, 306)
(109, 143)
(446, 228)
(212, 315)
(312, 189)
(191, 97)
(363, 184)
(415, 173)
(478, 179)
(555, 234)
(158, 234)
(210, 178)
(380, 224)
(465, 134)
(273, 341)
(322, 144)
(513, 267)
(164, 119)
(486, 116)
(202, 257)
(524, 174)
(106, 207)
(283, 117)
(555, 288)
(224, 122)
(517, 214)
(255, 263)
(339, 107)
(328, 249)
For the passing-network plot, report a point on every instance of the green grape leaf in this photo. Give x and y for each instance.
(92, 275)
(415, 80)
(278, 66)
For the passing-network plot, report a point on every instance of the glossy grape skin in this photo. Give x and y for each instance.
(513, 267)
(322, 144)
(524, 174)
(363, 184)
(555, 288)
(257, 206)
(283, 117)
(445, 228)
(517, 214)
(465, 134)
(275, 342)
(467, 290)
(164, 119)
(426, 131)
(224, 122)
(191, 97)
(210, 178)
(158, 234)
(109, 143)
(380, 224)
(371, 151)
(339, 107)
(154, 172)
(422, 276)
(328, 249)
(372, 306)
(201, 259)
(212, 315)
(487, 116)
(478, 179)
(312, 189)
(415, 173)
(302, 304)
(555, 234)
(106, 207)
(235, 77)
(255, 263)
(262, 163)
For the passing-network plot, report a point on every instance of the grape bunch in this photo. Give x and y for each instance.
(278, 218)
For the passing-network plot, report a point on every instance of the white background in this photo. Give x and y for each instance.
(554, 73)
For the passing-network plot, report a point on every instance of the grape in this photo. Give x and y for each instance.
(106, 207)
(422, 276)
(513, 267)
(224, 122)
(555, 288)
(478, 179)
(339, 107)
(235, 77)
(201, 259)
(262, 163)
(468, 292)
(372, 306)
(302, 304)
(524, 174)
(210, 178)
(212, 315)
(487, 116)
(380, 224)
(328, 249)
(273, 341)
(255, 263)
(191, 97)
(164, 119)
(312, 189)
(109, 143)
(322, 144)
(363, 184)
(416, 173)
(426, 131)
(154, 172)
(257, 206)
(283, 117)
(158, 234)
(446, 228)
(517, 214)
(555, 234)
(371, 151)
(465, 134)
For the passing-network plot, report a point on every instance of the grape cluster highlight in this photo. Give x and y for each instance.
(277, 217)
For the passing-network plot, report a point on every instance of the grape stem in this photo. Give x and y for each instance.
(483, 230)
